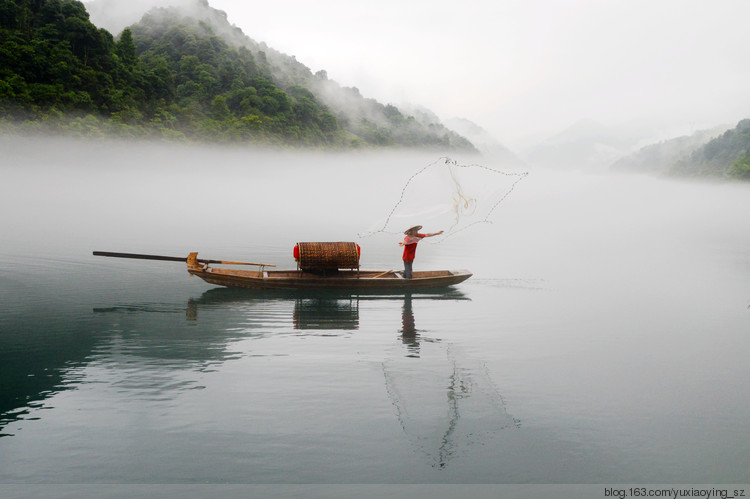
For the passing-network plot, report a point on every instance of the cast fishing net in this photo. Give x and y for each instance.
(449, 196)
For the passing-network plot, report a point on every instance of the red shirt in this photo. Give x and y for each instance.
(410, 247)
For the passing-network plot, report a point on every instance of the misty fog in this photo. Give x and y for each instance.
(609, 230)
(603, 307)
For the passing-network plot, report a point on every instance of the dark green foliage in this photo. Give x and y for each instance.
(741, 167)
(170, 75)
(167, 74)
(52, 56)
(126, 49)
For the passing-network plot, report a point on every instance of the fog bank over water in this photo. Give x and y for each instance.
(604, 327)
(145, 197)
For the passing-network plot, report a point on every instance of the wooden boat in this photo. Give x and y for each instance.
(350, 279)
(301, 279)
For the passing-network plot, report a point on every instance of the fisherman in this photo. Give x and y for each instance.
(410, 246)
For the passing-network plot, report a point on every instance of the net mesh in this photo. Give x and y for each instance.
(449, 196)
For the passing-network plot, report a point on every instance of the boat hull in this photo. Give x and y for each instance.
(347, 280)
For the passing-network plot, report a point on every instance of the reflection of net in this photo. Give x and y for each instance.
(446, 403)
(448, 196)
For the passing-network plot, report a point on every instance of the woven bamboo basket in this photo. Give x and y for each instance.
(323, 256)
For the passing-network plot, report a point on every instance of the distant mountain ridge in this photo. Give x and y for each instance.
(661, 158)
(720, 152)
(485, 142)
(585, 145)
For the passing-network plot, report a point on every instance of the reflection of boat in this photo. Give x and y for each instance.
(322, 313)
(316, 309)
(334, 278)
(218, 296)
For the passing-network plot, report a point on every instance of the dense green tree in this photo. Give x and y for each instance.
(741, 167)
(126, 49)
(172, 76)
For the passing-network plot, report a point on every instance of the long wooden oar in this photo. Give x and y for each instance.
(174, 258)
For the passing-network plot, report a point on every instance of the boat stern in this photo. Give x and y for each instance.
(193, 264)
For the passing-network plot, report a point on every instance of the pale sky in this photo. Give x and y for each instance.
(523, 68)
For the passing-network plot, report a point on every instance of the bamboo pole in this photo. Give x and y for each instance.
(138, 256)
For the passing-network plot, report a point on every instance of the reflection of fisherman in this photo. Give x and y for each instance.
(409, 334)
(410, 246)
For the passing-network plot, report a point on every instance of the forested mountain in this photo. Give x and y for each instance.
(660, 158)
(709, 153)
(726, 155)
(182, 74)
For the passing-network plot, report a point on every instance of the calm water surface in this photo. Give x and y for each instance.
(603, 338)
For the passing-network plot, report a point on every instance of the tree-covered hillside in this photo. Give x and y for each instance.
(660, 158)
(221, 92)
(726, 155)
(708, 153)
(173, 76)
(52, 57)
(364, 121)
